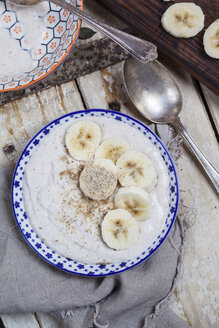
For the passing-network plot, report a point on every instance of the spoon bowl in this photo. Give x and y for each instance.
(157, 97)
(153, 90)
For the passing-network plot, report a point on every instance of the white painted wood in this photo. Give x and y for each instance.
(47, 320)
(196, 303)
(105, 89)
(20, 321)
(213, 103)
(20, 120)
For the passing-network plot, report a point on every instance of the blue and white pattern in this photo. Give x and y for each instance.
(67, 264)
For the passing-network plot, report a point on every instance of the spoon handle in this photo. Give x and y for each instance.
(209, 169)
(138, 48)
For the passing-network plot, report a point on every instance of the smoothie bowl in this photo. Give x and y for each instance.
(95, 193)
(34, 41)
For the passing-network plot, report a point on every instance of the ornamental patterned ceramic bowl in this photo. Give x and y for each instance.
(34, 41)
(40, 247)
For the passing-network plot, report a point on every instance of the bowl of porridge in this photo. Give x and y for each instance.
(34, 41)
(95, 193)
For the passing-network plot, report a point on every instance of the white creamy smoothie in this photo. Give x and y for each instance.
(67, 221)
(29, 29)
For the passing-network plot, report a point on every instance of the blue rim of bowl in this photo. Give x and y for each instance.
(176, 184)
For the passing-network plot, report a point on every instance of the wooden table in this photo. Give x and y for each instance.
(22, 118)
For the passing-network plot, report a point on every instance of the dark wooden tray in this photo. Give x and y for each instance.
(144, 16)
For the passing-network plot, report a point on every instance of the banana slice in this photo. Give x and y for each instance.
(82, 139)
(211, 40)
(98, 179)
(119, 229)
(106, 164)
(135, 200)
(183, 20)
(112, 149)
(136, 169)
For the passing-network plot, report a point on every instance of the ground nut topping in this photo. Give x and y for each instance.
(99, 182)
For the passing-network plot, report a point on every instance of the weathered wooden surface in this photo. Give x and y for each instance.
(21, 119)
(196, 302)
(20, 320)
(212, 103)
(144, 16)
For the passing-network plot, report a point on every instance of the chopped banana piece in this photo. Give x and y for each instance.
(112, 149)
(119, 229)
(183, 20)
(211, 40)
(82, 139)
(136, 169)
(135, 200)
(98, 179)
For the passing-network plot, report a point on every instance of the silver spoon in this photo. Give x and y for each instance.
(138, 48)
(157, 97)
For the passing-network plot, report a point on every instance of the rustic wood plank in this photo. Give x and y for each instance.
(144, 16)
(213, 104)
(107, 91)
(20, 321)
(196, 303)
(47, 321)
(19, 122)
(21, 119)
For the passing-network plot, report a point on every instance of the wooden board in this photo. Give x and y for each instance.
(144, 16)
(21, 119)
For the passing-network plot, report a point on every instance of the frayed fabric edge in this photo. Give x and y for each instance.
(185, 224)
(93, 322)
(185, 218)
(96, 314)
(63, 314)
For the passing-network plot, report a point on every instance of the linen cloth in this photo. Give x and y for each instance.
(130, 299)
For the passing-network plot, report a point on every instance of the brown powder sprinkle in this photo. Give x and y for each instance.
(72, 174)
(77, 211)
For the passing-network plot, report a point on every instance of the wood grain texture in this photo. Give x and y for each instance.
(212, 101)
(144, 16)
(196, 302)
(20, 320)
(21, 119)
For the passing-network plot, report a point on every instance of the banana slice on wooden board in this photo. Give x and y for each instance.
(183, 20)
(136, 169)
(98, 179)
(211, 40)
(82, 139)
(135, 200)
(112, 149)
(119, 229)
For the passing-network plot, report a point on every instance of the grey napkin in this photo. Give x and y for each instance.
(135, 298)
